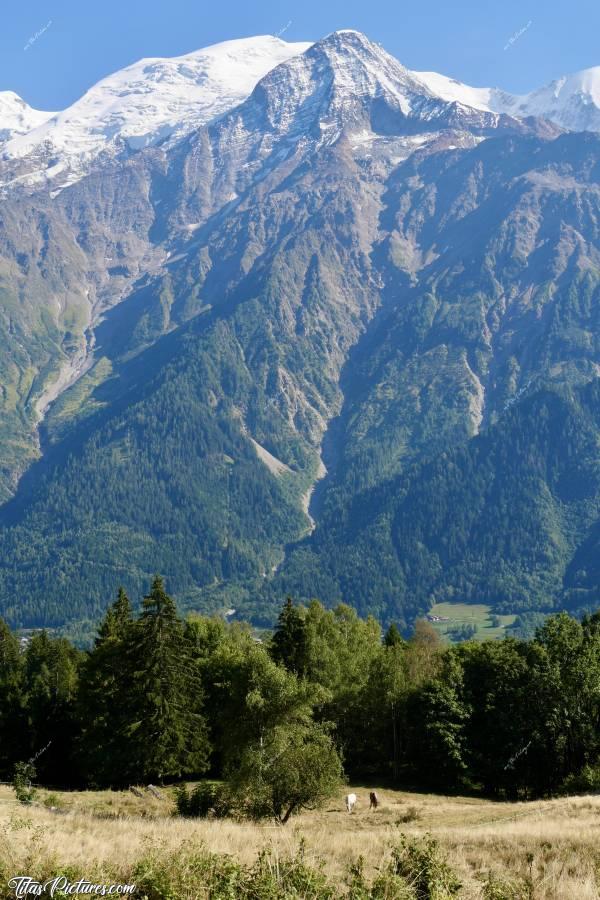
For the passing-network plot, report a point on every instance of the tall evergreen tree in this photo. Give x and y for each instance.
(167, 732)
(392, 637)
(50, 687)
(104, 698)
(289, 642)
(11, 719)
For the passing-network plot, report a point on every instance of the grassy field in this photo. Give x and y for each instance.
(552, 846)
(477, 614)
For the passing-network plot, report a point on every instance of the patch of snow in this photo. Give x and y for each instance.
(455, 91)
(17, 118)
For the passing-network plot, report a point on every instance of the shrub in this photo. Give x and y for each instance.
(207, 798)
(420, 862)
(272, 878)
(24, 773)
(199, 874)
(585, 782)
(52, 801)
(387, 886)
(411, 815)
(498, 888)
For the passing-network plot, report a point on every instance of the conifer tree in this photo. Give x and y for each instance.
(393, 638)
(104, 698)
(289, 642)
(50, 688)
(11, 719)
(167, 731)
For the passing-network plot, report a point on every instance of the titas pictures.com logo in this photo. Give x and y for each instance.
(24, 886)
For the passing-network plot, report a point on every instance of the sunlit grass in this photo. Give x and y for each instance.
(103, 834)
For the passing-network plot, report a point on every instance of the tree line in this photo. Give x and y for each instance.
(283, 718)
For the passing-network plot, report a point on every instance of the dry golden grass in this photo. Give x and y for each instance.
(102, 834)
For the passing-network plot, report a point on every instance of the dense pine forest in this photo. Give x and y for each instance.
(159, 698)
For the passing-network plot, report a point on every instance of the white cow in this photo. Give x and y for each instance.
(350, 802)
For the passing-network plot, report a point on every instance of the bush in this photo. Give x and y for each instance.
(420, 862)
(411, 815)
(206, 799)
(497, 888)
(199, 874)
(585, 782)
(387, 886)
(24, 773)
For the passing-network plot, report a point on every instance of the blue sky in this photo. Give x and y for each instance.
(73, 43)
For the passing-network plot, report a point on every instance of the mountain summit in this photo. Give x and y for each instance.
(163, 100)
(573, 101)
(151, 101)
(292, 318)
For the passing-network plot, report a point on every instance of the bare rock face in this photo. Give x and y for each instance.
(330, 271)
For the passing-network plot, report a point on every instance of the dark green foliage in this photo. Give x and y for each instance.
(159, 698)
(23, 776)
(11, 698)
(141, 696)
(207, 798)
(462, 632)
(50, 687)
(585, 782)
(393, 637)
(439, 715)
(166, 730)
(105, 707)
(289, 642)
(497, 519)
(526, 624)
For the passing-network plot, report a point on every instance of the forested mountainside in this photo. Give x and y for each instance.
(339, 340)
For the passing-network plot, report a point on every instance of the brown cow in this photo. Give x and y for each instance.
(373, 800)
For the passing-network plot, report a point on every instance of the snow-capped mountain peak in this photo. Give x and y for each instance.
(334, 83)
(150, 101)
(16, 117)
(344, 82)
(572, 101)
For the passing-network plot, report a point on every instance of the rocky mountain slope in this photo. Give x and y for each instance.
(303, 330)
